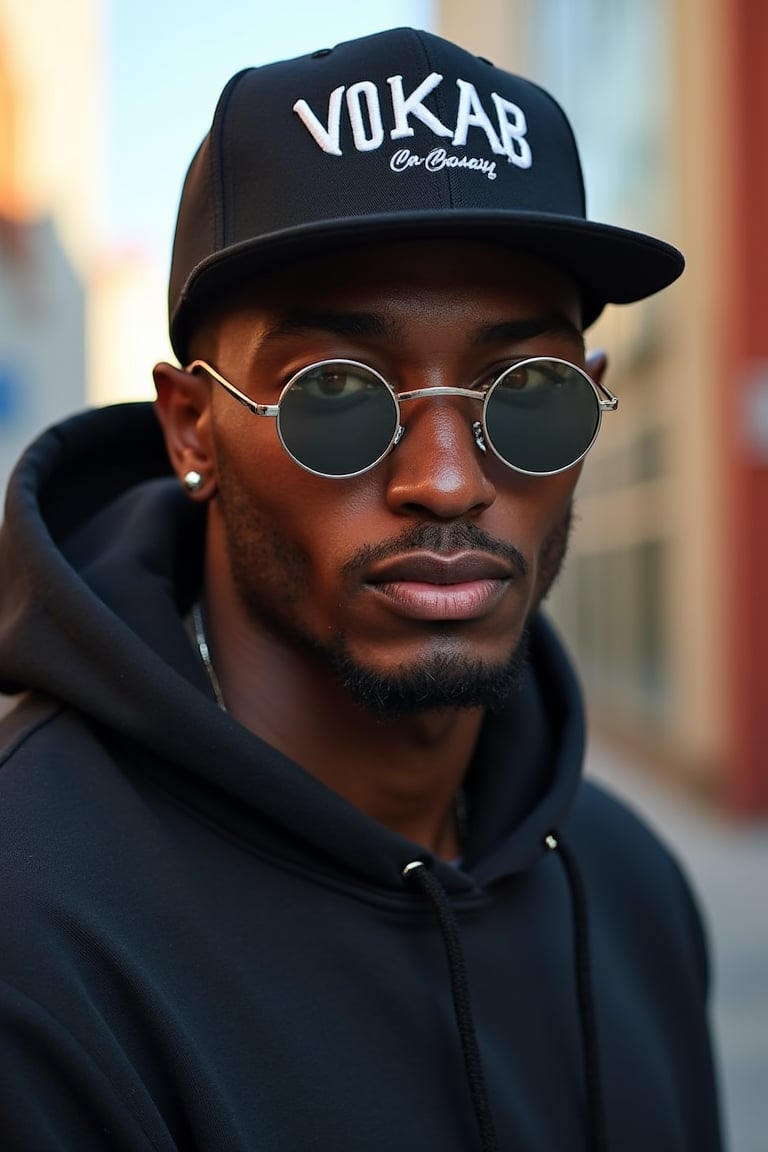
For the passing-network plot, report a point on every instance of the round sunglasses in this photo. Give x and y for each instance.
(339, 418)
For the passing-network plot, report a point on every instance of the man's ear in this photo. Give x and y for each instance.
(184, 410)
(597, 364)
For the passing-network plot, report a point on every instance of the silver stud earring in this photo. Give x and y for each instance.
(193, 481)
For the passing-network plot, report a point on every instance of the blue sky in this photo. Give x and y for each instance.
(166, 63)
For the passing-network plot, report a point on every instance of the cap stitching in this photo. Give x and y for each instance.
(219, 129)
(441, 105)
(572, 138)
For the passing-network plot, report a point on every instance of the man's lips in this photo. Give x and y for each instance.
(428, 586)
(432, 568)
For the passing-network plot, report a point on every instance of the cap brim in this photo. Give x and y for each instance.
(609, 265)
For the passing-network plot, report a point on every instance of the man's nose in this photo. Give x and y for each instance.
(438, 469)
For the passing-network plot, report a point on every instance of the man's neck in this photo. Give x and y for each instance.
(406, 773)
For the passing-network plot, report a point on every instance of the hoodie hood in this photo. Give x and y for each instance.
(101, 560)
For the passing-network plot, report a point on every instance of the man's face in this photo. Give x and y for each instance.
(413, 582)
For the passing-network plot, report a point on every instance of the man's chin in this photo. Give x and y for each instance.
(439, 682)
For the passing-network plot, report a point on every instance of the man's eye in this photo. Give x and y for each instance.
(516, 378)
(484, 382)
(535, 377)
(331, 383)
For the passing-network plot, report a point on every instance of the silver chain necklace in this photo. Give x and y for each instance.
(205, 654)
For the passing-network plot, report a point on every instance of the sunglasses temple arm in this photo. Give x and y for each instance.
(254, 408)
(607, 402)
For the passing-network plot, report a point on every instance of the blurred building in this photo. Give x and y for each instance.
(128, 329)
(665, 596)
(79, 322)
(49, 164)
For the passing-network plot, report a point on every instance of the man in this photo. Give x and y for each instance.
(295, 850)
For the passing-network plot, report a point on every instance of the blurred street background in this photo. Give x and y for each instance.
(664, 600)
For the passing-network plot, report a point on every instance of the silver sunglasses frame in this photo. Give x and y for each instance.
(606, 402)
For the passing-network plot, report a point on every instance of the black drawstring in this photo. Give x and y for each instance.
(436, 894)
(585, 993)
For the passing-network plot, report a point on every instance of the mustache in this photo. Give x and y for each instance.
(440, 538)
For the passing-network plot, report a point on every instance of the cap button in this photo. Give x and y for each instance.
(320, 52)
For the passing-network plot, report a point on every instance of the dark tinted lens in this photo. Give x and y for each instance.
(337, 418)
(542, 415)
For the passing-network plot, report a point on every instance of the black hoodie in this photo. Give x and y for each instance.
(203, 948)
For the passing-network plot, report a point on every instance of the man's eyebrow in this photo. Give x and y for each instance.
(298, 320)
(518, 331)
(372, 324)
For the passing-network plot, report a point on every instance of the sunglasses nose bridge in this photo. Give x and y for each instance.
(462, 401)
(438, 391)
(449, 419)
(468, 401)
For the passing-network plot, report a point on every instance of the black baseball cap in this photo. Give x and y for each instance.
(396, 135)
